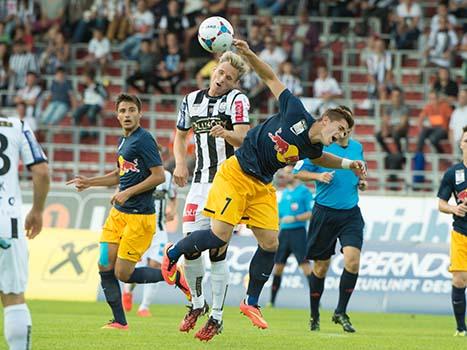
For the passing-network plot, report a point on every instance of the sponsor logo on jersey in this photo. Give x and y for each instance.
(299, 127)
(286, 153)
(190, 212)
(127, 166)
(206, 124)
(462, 196)
(238, 111)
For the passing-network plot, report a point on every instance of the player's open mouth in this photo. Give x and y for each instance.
(333, 139)
(218, 85)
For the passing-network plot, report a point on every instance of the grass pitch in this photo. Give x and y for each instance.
(76, 325)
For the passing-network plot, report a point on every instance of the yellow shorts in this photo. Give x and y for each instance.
(133, 233)
(236, 197)
(458, 252)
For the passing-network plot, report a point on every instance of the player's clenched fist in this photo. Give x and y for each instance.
(81, 183)
(242, 46)
(180, 175)
(359, 168)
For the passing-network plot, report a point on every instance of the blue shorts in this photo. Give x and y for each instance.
(291, 241)
(327, 225)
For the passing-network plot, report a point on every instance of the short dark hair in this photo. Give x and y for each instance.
(31, 72)
(60, 69)
(128, 98)
(340, 112)
(464, 129)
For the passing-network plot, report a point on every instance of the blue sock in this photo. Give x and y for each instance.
(113, 295)
(195, 242)
(458, 305)
(145, 275)
(346, 287)
(316, 291)
(260, 268)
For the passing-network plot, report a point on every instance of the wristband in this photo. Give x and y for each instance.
(345, 164)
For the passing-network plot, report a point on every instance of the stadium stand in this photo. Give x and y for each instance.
(342, 48)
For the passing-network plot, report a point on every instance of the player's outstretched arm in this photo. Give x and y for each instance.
(304, 175)
(234, 137)
(328, 160)
(41, 184)
(263, 70)
(82, 182)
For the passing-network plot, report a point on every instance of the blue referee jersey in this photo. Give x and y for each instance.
(295, 201)
(342, 191)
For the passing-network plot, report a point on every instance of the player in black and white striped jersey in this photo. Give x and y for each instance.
(165, 202)
(17, 141)
(219, 119)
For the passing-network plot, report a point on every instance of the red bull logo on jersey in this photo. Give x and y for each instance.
(126, 166)
(286, 153)
(462, 195)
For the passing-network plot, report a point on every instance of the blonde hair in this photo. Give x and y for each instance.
(235, 61)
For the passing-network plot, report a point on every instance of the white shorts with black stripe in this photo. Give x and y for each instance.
(193, 219)
(14, 267)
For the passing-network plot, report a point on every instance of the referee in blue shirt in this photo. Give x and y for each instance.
(294, 212)
(336, 215)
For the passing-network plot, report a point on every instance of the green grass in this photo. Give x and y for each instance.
(76, 325)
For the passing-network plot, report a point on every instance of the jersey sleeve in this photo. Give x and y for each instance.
(446, 187)
(149, 152)
(31, 151)
(239, 110)
(183, 118)
(290, 107)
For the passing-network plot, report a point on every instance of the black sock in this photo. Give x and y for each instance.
(458, 305)
(195, 242)
(260, 268)
(145, 275)
(113, 295)
(346, 287)
(316, 290)
(276, 284)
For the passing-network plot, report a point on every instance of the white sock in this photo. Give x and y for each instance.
(149, 293)
(128, 287)
(219, 281)
(194, 273)
(17, 327)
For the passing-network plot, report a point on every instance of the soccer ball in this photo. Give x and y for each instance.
(215, 34)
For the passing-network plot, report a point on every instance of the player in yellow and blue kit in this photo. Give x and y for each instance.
(336, 215)
(130, 226)
(242, 191)
(454, 183)
(294, 212)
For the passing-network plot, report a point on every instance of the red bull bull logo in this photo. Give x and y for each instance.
(286, 153)
(126, 166)
(462, 196)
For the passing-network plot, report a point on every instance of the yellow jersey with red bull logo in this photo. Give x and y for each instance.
(453, 183)
(279, 141)
(137, 154)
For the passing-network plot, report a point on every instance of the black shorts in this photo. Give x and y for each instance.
(327, 225)
(291, 241)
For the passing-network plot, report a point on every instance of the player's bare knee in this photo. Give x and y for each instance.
(122, 274)
(320, 268)
(459, 280)
(270, 244)
(352, 266)
(278, 269)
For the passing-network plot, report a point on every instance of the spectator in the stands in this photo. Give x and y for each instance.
(394, 121)
(52, 12)
(148, 59)
(343, 8)
(57, 53)
(4, 36)
(23, 33)
(378, 63)
(30, 96)
(119, 24)
(326, 88)
(173, 22)
(437, 111)
(60, 99)
(273, 54)
(289, 78)
(255, 40)
(442, 12)
(442, 44)
(21, 61)
(172, 66)
(191, 46)
(273, 7)
(463, 55)
(142, 23)
(302, 42)
(78, 21)
(458, 8)
(446, 86)
(408, 17)
(98, 51)
(4, 72)
(94, 97)
(457, 122)
(216, 7)
(375, 8)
